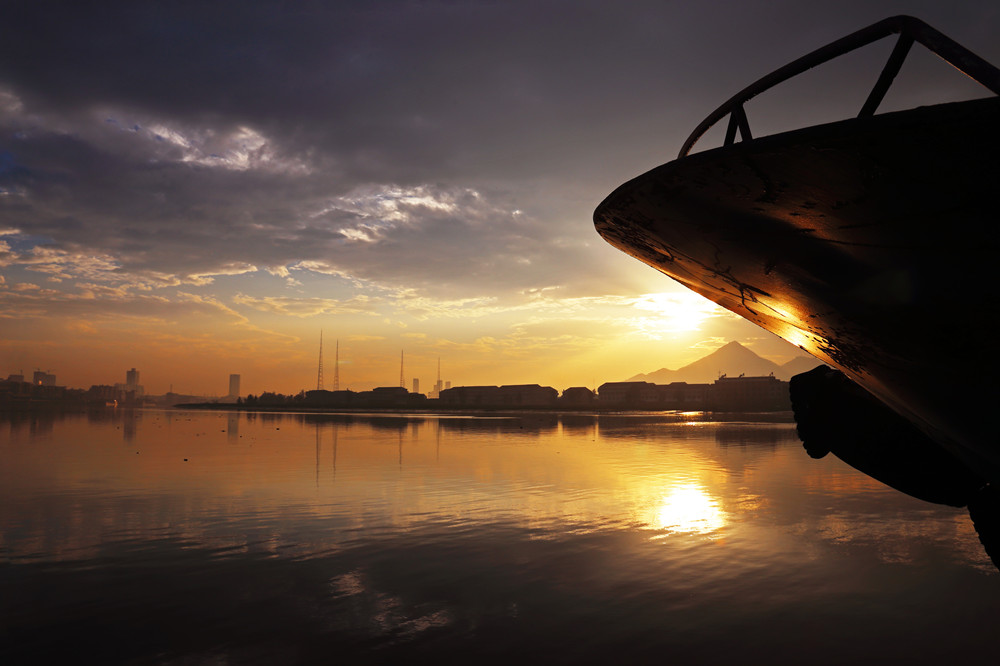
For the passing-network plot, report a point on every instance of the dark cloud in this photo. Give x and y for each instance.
(181, 137)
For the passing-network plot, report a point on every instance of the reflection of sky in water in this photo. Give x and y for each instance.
(540, 527)
(74, 484)
(206, 470)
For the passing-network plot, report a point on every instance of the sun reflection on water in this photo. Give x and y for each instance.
(689, 509)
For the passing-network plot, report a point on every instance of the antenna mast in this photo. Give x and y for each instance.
(336, 368)
(319, 371)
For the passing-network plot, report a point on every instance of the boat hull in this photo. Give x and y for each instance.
(869, 243)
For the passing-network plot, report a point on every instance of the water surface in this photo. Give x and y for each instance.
(191, 537)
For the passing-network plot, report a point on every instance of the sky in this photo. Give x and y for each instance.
(196, 189)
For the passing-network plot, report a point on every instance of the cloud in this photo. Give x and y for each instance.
(117, 306)
(82, 328)
(76, 264)
(392, 145)
(307, 307)
(423, 308)
(22, 300)
(27, 286)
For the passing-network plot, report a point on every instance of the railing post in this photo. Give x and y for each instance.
(737, 119)
(731, 129)
(889, 73)
(744, 125)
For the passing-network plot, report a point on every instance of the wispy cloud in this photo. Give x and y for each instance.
(308, 306)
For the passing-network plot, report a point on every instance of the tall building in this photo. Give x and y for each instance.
(41, 378)
(131, 385)
(234, 386)
(131, 379)
(130, 390)
(416, 385)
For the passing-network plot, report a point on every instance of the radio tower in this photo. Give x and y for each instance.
(402, 382)
(319, 372)
(336, 368)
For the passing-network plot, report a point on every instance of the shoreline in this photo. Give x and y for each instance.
(474, 411)
(496, 412)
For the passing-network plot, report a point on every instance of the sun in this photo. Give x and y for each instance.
(679, 312)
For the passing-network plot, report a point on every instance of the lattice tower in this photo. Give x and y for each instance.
(319, 371)
(336, 367)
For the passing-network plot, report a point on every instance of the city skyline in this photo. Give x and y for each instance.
(197, 191)
(732, 359)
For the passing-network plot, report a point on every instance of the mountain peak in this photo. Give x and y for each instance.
(730, 359)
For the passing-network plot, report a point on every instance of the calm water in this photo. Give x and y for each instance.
(180, 537)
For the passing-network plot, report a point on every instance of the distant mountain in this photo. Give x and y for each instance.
(733, 359)
(797, 365)
(661, 376)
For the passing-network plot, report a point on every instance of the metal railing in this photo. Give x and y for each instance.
(909, 29)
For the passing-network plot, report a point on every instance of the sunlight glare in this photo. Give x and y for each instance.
(689, 509)
(678, 312)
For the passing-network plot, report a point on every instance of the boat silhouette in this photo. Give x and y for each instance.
(868, 242)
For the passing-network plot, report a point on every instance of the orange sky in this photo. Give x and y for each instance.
(543, 339)
(201, 192)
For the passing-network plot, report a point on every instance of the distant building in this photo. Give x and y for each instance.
(416, 385)
(750, 394)
(645, 395)
(578, 397)
(41, 378)
(234, 386)
(439, 386)
(131, 379)
(684, 396)
(131, 391)
(528, 395)
(103, 393)
(324, 398)
(384, 397)
(628, 395)
(387, 396)
(470, 396)
(511, 397)
(14, 387)
(40, 389)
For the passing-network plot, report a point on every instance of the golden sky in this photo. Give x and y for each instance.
(196, 191)
(191, 342)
